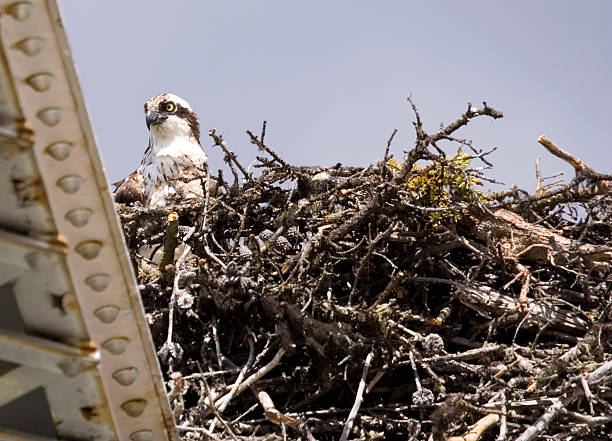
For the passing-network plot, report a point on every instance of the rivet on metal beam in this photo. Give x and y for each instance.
(30, 46)
(73, 367)
(107, 314)
(142, 435)
(40, 82)
(59, 150)
(89, 249)
(33, 259)
(115, 345)
(50, 116)
(20, 11)
(98, 282)
(125, 376)
(79, 217)
(70, 184)
(37, 260)
(135, 407)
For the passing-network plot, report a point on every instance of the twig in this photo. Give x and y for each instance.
(170, 241)
(221, 408)
(197, 375)
(216, 412)
(424, 140)
(471, 112)
(245, 413)
(418, 125)
(241, 375)
(199, 430)
(477, 429)
(503, 419)
(417, 380)
(580, 167)
(263, 131)
(587, 393)
(600, 374)
(572, 160)
(206, 202)
(175, 288)
(270, 411)
(461, 356)
(375, 380)
(210, 254)
(533, 431)
(366, 258)
(254, 377)
(392, 285)
(436, 209)
(590, 420)
(389, 141)
(259, 143)
(358, 399)
(539, 180)
(243, 218)
(230, 157)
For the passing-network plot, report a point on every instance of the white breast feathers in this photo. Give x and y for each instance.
(173, 168)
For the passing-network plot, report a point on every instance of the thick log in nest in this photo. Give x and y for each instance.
(396, 301)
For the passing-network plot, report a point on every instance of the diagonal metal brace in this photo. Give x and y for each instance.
(40, 353)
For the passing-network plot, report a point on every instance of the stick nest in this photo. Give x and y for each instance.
(397, 301)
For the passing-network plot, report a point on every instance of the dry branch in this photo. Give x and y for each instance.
(486, 308)
(579, 166)
(350, 421)
(476, 432)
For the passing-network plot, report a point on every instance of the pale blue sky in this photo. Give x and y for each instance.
(331, 77)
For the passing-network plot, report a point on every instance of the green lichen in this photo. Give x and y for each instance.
(442, 185)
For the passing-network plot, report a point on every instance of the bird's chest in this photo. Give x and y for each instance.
(174, 170)
(163, 168)
(174, 163)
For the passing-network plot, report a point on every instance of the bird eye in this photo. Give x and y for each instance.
(169, 107)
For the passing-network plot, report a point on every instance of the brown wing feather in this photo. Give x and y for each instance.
(130, 189)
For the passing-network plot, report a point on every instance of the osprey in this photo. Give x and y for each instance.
(174, 164)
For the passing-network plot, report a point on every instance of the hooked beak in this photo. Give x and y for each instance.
(153, 117)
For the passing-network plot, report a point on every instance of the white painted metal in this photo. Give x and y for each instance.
(83, 337)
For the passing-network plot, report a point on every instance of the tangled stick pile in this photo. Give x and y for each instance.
(396, 301)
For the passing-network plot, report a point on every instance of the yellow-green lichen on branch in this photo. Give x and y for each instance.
(441, 185)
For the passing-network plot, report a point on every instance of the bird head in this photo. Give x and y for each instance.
(168, 115)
